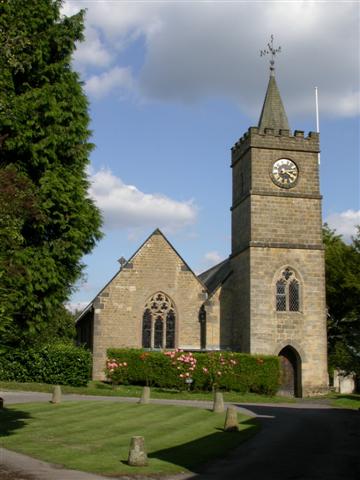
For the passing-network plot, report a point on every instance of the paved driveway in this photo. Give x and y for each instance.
(304, 442)
(297, 442)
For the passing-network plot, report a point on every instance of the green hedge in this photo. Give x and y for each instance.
(251, 373)
(62, 364)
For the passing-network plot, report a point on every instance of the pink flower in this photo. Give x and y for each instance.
(125, 364)
(205, 370)
(181, 375)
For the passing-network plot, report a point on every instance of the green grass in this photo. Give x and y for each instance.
(345, 400)
(95, 436)
(101, 388)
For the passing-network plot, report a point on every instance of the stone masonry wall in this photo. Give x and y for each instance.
(304, 330)
(236, 309)
(120, 306)
(287, 220)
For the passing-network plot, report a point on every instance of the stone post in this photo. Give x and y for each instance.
(231, 420)
(145, 397)
(137, 454)
(218, 406)
(56, 396)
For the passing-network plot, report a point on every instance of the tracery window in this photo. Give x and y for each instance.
(288, 292)
(159, 320)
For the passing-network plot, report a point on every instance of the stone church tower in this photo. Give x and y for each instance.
(268, 297)
(278, 281)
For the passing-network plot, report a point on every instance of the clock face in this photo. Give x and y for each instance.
(284, 173)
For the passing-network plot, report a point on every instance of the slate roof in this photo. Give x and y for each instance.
(273, 114)
(216, 275)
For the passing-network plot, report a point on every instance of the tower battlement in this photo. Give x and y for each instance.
(280, 139)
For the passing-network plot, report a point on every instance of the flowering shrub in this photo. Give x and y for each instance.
(240, 372)
(185, 364)
(217, 366)
(116, 372)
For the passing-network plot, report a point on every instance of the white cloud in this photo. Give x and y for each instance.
(209, 259)
(92, 52)
(344, 222)
(196, 49)
(212, 258)
(125, 206)
(117, 79)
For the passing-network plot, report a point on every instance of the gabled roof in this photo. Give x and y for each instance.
(216, 275)
(273, 114)
(155, 232)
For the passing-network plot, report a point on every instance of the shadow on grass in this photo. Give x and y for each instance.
(11, 420)
(197, 454)
(348, 396)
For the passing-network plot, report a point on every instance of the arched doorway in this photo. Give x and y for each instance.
(290, 372)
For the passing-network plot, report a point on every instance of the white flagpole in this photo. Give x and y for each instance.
(317, 116)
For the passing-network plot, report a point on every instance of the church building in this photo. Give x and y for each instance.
(268, 297)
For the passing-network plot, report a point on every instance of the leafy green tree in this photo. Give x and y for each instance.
(44, 140)
(343, 300)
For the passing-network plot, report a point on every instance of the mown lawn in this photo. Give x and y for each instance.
(350, 400)
(95, 436)
(101, 388)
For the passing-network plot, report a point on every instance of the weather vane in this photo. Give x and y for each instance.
(270, 50)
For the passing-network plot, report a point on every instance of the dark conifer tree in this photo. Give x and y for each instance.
(44, 144)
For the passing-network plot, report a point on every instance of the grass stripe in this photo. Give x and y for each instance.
(95, 436)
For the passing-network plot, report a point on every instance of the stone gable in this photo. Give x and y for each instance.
(119, 308)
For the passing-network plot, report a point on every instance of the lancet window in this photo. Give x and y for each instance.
(288, 292)
(159, 321)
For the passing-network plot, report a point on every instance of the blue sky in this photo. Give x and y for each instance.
(173, 85)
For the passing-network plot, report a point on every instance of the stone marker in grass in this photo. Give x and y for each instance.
(145, 397)
(231, 420)
(218, 406)
(137, 454)
(56, 396)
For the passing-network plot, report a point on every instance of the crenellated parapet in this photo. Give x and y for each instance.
(275, 139)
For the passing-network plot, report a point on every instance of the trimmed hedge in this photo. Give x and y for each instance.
(62, 364)
(251, 373)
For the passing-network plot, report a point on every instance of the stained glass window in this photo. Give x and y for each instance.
(170, 329)
(288, 292)
(158, 334)
(280, 296)
(294, 296)
(159, 322)
(146, 333)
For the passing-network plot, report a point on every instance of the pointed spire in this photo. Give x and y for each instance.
(273, 114)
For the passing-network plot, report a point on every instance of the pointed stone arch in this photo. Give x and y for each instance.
(290, 369)
(159, 322)
(288, 286)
